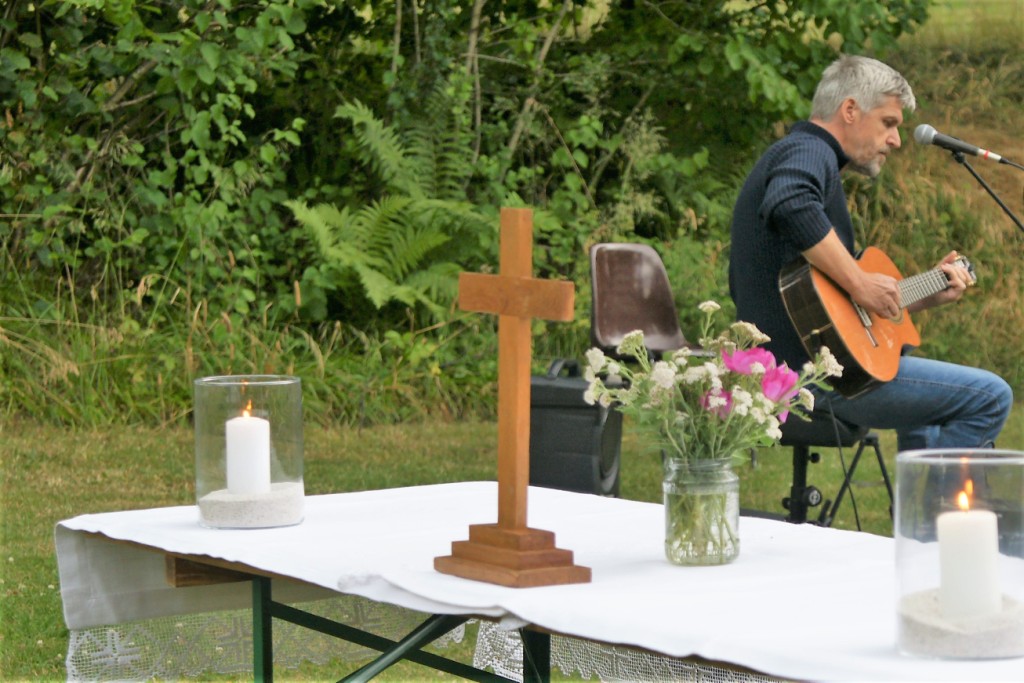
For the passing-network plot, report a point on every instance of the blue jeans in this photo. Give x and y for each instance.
(930, 404)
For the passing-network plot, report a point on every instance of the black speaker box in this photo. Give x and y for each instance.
(573, 446)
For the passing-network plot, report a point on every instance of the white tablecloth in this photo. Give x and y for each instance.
(800, 602)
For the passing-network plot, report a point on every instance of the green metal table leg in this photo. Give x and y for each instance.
(430, 630)
(264, 610)
(536, 656)
(262, 631)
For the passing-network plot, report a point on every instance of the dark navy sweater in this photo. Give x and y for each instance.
(789, 202)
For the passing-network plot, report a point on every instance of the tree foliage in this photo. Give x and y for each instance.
(300, 162)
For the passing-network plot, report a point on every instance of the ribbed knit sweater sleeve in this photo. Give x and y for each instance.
(797, 189)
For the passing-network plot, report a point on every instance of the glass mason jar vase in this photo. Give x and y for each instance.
(702, 511)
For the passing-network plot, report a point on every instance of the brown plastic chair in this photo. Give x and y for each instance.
(630, 291)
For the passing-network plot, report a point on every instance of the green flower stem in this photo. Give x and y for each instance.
(701, 512)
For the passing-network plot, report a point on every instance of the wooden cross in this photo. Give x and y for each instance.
(510, 553)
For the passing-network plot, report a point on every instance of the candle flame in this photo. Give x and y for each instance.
(963, 499)
(247, 410)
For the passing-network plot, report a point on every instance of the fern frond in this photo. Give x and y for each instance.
(440, 143)
(331, 230)
(382, 148)
(440, 282)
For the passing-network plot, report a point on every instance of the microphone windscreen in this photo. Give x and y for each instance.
(924, 134)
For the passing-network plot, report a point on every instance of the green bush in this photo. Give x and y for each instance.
(292, 186)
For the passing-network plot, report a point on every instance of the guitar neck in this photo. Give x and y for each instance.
(922, 286)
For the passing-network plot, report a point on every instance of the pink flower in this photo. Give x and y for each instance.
(780, 385)
(743, 361)
(717, 402)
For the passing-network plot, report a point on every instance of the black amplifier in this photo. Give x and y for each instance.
(573, 446)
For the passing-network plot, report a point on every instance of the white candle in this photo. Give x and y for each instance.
(248, 454)
(968, 562)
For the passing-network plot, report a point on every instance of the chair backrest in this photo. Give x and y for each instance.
(630, 291)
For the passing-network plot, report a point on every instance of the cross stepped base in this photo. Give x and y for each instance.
(518, 558)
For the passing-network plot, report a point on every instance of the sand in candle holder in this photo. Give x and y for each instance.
(282, 506)
(925, 632)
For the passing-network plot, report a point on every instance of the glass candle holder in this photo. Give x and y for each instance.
(960, 553)
(248, 432)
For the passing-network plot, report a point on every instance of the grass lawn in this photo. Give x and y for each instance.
(51, 474)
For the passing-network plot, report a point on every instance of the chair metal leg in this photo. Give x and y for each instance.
(885, 472)
(870, 440)
(801, 496)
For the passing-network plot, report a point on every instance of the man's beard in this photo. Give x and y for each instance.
(871, 170)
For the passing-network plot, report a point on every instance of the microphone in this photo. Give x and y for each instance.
(926, 135)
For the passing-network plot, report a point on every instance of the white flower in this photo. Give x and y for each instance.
(694, 375)
(604, 400)
(632, 344)
(833, 368)
(742, 401)
(773, 430)
(596, 359)
(614, 368)
(757, 368)
(716, 401)
(806, 399)
(750, 331)
(682, 356)
(714, 372)
(709, 307)
(589, 396)
(663, 375)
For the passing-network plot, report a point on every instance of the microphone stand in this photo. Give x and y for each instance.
(959, 156)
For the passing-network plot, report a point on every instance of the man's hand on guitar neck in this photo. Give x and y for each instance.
(880, 293)
(875, 292)
(960, 278)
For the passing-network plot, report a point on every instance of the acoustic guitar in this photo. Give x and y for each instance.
(868, 346)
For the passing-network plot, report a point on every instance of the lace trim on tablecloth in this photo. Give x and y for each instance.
(221, 643)
(502, 651)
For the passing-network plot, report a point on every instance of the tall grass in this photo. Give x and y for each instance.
(973, 25)
(124, 368)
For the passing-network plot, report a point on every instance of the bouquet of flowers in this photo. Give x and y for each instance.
(729, 397)
(702, 409)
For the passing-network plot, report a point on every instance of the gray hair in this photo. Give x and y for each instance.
(868, 81)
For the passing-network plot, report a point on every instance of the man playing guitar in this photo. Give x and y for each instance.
(792, 205)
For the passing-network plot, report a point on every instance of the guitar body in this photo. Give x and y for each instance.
(824, 315)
